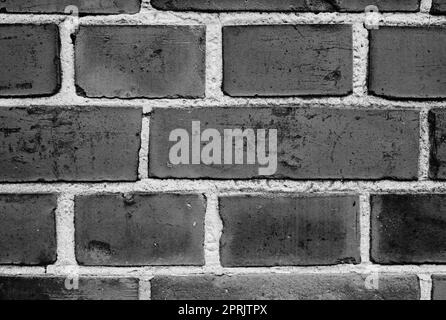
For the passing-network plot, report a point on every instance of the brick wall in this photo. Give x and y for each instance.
(91, 206)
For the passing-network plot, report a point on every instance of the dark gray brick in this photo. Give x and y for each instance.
(285, 60)
(29, 60)
(313, 143)
(69, 144)
(438, 287)
(438, 7)
(140, 61)
(437, 122)
(285, 230)
(55, 288)
(285, 287)
(408, 228)
(140, 229)
(27, 229)
(408, 62)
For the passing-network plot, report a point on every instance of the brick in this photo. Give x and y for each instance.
(438, 287)
(140, 61)
(408, 228)
(408, 62)
(55, 288)
(285, 287)
(438, 7)
(437, 124)
(29, 60)
(69, 144)
(289, 230)
(27, 229)
(58, 6)
(287, 5)
(285, 60)
(140, 229)
(312, 143)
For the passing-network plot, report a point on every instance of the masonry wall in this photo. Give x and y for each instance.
(91, 208)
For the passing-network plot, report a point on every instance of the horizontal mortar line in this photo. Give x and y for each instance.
(229, 186)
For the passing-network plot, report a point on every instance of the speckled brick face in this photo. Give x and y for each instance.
(29, 60)
(439, 7)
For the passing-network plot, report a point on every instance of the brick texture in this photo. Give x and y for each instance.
(438, 7)
(58, 6)
(438, 287)
(27, 229)
(29, 60)
(287, 60)
(437, 122)
(408, 228)
(285, 287)
(312, 143)
(275, 231)
(140, 229)
(55, 288)
(140, 61)
(69, 144)
(408, 62)
(286, 5)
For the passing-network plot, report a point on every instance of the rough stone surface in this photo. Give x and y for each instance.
(288, 60)
(408, 62)
(285, 287)
(438, 7)
(58, 6)
(140, 61)
(287, 5)
(29, 60)
(55, 288)
(313, 143)
(140, 229)
(280, 231)
(437, 122)
(27, 229)
(438, 287)
(69, 144)
(408, 228)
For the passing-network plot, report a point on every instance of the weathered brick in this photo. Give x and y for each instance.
(29, 60)
(438, 287)
(408, 62)
(313, 143)
(287, 5)
(140, 229)
(69, 144)
(140, 61)
(55, 288)
(408, 228)
(58, 6)
(27, 229)
(289, 230)
(437, 123)
(285, 287)
(286, 60)
(438, 7)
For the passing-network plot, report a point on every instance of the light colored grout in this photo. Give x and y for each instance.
(65, 230)
(360, 59)
(213, 231)
(214, 61)
(364, 210)
(143, 170)
(144, 288)
(425, 286)
(424, 145)
(425, 6)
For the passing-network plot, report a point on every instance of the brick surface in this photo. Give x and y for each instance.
(58, 6)
(285, 287)
(438, 7)
(438, 287)
(408, 62)
(55, 288)
(286, 5)
(69, 144)
(287, 60)
(312, 143)
(437, 122)
(140, 61)
(27, 229)
(29, 60)
(140, 229)
(280, 231)
(408, 228)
